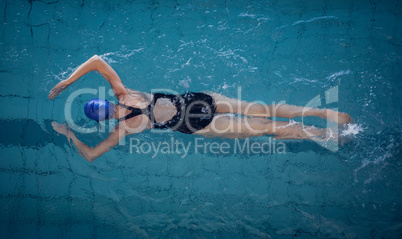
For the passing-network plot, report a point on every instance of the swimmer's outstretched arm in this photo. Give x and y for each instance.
(89, 153)
(95, 63)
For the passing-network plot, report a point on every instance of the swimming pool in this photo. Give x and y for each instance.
(274, 50)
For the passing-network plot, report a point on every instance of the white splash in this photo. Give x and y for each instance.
(65, 74)
(314, 19)
(187, 63)
(336, 74)
(260, 17)
(352, 130)
(225, 86)
(291, 123)
(124, 53)
(185, 83)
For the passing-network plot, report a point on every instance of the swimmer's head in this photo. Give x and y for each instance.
(99, 110)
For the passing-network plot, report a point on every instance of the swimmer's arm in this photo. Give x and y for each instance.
(119, 132)
(95, 63)
(91, 153)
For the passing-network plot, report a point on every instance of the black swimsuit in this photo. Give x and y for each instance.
(195, 111)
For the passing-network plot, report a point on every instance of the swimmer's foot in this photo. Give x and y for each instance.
(337, 117)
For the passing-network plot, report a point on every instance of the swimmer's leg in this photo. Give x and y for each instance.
(231, 105)
(226, 126)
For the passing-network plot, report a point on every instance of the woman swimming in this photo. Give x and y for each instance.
(206, 114)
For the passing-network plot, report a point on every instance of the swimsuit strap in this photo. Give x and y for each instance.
(134, 112)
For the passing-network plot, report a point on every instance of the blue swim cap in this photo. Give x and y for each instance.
(98, 109)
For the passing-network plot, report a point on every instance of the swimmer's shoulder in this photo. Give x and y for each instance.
(136, 94)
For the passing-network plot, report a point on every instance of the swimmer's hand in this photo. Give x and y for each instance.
(62, 129)
(57, 89)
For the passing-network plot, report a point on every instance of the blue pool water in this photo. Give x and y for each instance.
(274, 50)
